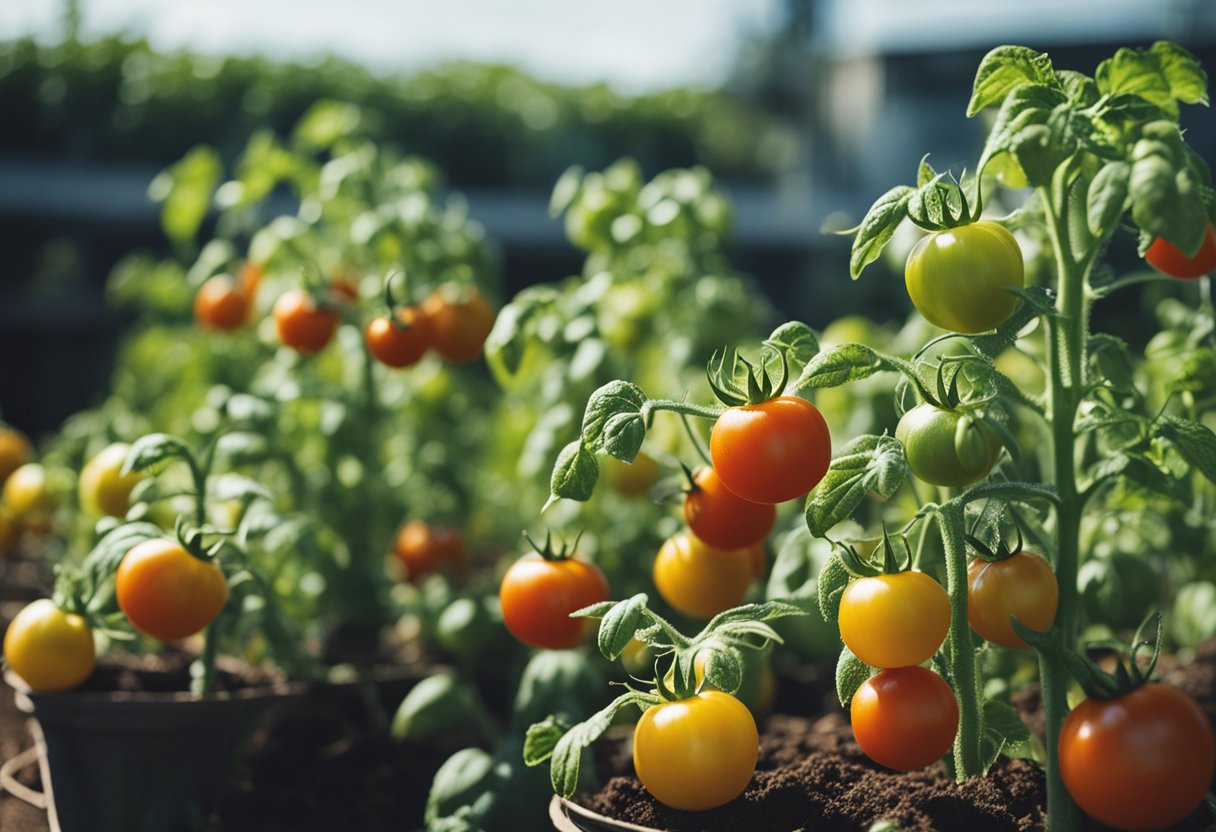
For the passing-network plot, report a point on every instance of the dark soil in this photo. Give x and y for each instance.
(811, 775)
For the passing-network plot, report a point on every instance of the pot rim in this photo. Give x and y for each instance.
(25, 696)
(561, 808)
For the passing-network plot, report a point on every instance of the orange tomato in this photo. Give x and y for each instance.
(166, 592)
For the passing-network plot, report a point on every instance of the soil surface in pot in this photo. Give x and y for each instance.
(812, 776)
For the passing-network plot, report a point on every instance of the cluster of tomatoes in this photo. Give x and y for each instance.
(453, 321)
(25, 501)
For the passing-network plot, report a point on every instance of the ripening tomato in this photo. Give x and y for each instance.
(51, 650)
(947, 447)
(345, 287)
(166, 592)
(26, 494)
(423, 548)
(721, 519)
(771, 452)
(538, 595)
(631, 479)
(102, 489)
(894, 620)
(1139, 761)
(10, 531)
(15, 451)
(1166, 258)
(904, 717)
(220, 304)
(459, 327)
(399, 343)
(1022, 587)
(956, 277)
(696, 753)
(248, 279)
(699, 580)
(302, 324)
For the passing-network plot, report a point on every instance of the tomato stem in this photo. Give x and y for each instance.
(951, 521)
(686, 408)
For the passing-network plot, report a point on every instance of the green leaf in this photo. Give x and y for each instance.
(1021, 129)
(1110, 360)
(867, 463)
(152, 449)
(619, 625)
(1079, 88)
(851, 673)
(185, 190)
(1036, 301)
(437, 706)
(876, 228)
(797, 341)
(541, 739)
(242, 448)
(1195, 442)
(833, 581)
(925, 172)
(1002, 71)
(236, 487)
(723, 668)
(565, 683)
(1137, 73)
(1187, 81)
(567, 188)
(574, 473)
(507, 342)
(1166, 196)
(464, 784)
(1196, 374)
(1108, 197)
(752, 613)
(844, 364)
(613, 420)
(564, 764)
(325, 123)
(101, 564)
(1004, 725)
(1192, 619)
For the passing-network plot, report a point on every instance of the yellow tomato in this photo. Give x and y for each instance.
(631, 479)
(48, 648)
(14, 452)
(696, 753)
(699, 580)
(26, 494)
(894, 620)
(102, 489)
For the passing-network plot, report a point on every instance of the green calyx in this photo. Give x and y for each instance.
(884, 560)
(758, 387)
(998, 551)
(549, 551)
(1128, 674)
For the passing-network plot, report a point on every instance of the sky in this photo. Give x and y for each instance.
(634, 44)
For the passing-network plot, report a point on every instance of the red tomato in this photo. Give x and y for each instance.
(399, 345)
(904, 717)
(720, 518)
(302, 324)
(538, 595)
(771, 452)
(168, 593)
(1022, 586)
(423, 548)
(459, 327)
(1140, 761)
(221, 305)
(1165, 257)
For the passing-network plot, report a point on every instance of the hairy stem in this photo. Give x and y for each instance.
(967, 762)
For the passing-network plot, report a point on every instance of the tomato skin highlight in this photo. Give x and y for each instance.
(1141, 761)
(955, 277)
(220, 304)
(946, 447)
(302, 325)
(51, 650)
(894, 620)
(459, 328)
(423, 548)
(721, 519)
(696, 753)
(1166, 258)
(771, 452)
(395, 346)
(1022, 586)
(103, 491)
(166, 592)
(904, 717)
(699, 580)
(537, 597)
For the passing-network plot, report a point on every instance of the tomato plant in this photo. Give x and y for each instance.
(696, 753)
(302, 323)
(957, 277)
(1165, 257)
(773, 451)
(166, 592)
(399, 341)
(721, 519)
(540, 590)
(904, 717)
(51, 650)
(459, 325)
(104, 490)
(947, 447)
(221, 304)
(894, 620)
(1020, 586)
(700, 580)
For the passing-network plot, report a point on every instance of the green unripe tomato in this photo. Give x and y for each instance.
(956, 277)
(947, 447)
(1118, 590)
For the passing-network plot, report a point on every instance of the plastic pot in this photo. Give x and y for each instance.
(568, 816)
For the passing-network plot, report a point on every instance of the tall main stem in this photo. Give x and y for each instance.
(962, 654)
(1066, 347)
